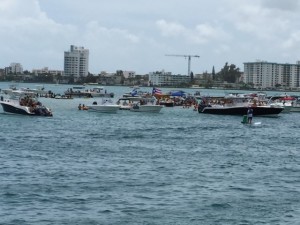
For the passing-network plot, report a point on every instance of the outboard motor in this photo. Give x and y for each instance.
(201, 107)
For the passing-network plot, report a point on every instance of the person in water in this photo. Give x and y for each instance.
(79, 107)
(250, 115)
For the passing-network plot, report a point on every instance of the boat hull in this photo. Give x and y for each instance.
(257, 111)
(146, 108)
(104, 108)
(167, 104)
(15, 110)
(295, 109)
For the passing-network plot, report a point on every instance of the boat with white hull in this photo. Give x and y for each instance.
(24, 103)
(140, 104)
(146, 108)
(106, 106)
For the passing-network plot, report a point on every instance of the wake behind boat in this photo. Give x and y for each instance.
(24, 103)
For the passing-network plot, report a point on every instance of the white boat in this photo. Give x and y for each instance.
(8, 91)
(296, 106)
(287, 107)
(140, 104)
(24, 103)
(146, 104)
(126, 103)
(90, 93)
(106, 106)
(286, 102)
(39, 89)
(138, 107)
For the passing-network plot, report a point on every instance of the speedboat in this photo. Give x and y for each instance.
(126, 103)
(24, 103)
(236, 106)
(106, 106)
(140, 107)
(140, 104)
(240, 110)
(95, 92)
(286, 102)
(146, 104)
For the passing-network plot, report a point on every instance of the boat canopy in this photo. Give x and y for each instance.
(177, 93)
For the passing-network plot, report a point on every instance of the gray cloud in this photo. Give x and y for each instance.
(286, 5)
(136, 35)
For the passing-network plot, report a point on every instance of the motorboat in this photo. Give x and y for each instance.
(126, 103)
(24, 103)
(240, 110)
(140, 107)
(286, 102)
(296, 105)
(236, 106)
(106, 106)
(148, 104)
(94, 92)
(8, 91)
(140, 104)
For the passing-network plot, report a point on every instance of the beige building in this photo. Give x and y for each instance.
(46, 70)
(76, 62)
(263, 74)
(162, 78)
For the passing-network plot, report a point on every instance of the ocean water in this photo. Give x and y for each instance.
(175, 167)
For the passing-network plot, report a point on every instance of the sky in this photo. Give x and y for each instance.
(136, 35)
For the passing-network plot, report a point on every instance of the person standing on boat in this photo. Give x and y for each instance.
(250, 115)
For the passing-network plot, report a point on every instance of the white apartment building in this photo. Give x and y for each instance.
(76, 62)
(14, 68)
(46, 70)
(265, 74)
(162, 78)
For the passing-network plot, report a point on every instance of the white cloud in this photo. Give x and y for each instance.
(293, 42)
(286, 5)
(135, 35)
(200, 34)
(95, 31)
(170, 29)
(28, 35)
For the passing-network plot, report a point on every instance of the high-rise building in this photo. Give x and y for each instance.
(14, 68)
(263, 74)
(76, 62)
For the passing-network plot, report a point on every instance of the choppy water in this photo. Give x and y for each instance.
(176, 167)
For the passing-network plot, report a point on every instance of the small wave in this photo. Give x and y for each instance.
(221, 205)
(133, 136)
(105, 211)
(9, 194)
(243, 189)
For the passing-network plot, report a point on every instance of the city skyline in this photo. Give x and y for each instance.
(134, 36)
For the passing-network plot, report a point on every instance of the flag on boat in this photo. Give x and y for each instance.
(133, 92)
(156, 91)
